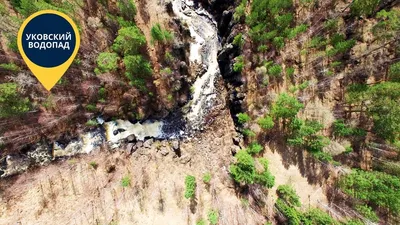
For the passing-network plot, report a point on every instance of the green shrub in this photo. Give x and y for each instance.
(107, 62)
(331, 24)
(243, 171)
(394, 72)
(160, 35)
(94, 164)
(275, 70)
(249, 133)
(317, 42)
(207, 178)
(201, 222)
(341, 129)
(91, 108)
(10, 66)
(137, 66)
(266, 122)
(262, 48)
(190, 183)
(304, 85)
(286, 107)
(278, 42)
(265, 178)
(91, 123)
(213, 217)
(129, 41)
(27, 8)
(367, 212)
(127, 8)
(126, 181)
(238, 40)
(240, 11)
(11, 103)
(12, 42)
(243, 118)
(239, 64)
(289, 71)
(254, 148)
(288, 194)
(304, 134)
(363, 7)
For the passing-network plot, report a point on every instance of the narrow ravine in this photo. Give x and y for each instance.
(204, 66)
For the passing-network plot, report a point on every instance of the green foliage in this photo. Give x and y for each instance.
(248, 133)
(304, 85)
(239, 64)
(292, 33)
(367, 212)
(137, 67)
(102, 93)
(12, 42)
(10, 66)
(190, 184)
(304, 134)
(374, 188)
(340, 47)
(275, 70)
(91, 123)
(107, 62)
(213, 216)
(127, 8)
(254, 148)
(279, 42)
(335, 64)
(388, 26)
(11, 103)
(262, 48)
(207, 178)
(129, 41)
(243, 171)
(363, 7)
(126, 181)
(331, 24)
(27, 8)
(318, 217)
(289, 71)
(265, 178)
(3, 9)
(266, 122)
(243, 118)
(286, 107)
(394, 72)
(91, 107)
(340, 129)
(317, 42)
(238, 40)
(288, 194)
(201, 222)
(240, 11)
(94, 164)
(160, 35)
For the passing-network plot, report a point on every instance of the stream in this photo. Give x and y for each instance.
(203, 57)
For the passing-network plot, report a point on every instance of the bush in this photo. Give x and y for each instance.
(127, 8)
(243, 171)
(91, 107)
(288, 194)
(213, 217)
(94, 164)
(289, 71)
(265, 178)
(286, 107)
(91, 123)
(201, 222)
(207, 178)
(239, 64)
(394, 72)
(137, 66)
(341, 129)
(107, 62)
(254, 148)
(363, 7)
(11, 103)
(275, 70)
(266, 123)
(10, 66)
(367, 212)
(126, 181)
(190, 183)
(238, 40)
(129, 41)
(249, 133)
(243, 118)
(160, 35)
(240, 11)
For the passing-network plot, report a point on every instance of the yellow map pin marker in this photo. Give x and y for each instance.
(48, 42)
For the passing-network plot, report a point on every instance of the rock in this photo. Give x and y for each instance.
(225, 21)
(334, 148)
(139, 144)
(41, 154)
(13, 165)
(236, 139)
(131, 138)
(185, 159)
(175, 145)
(148, 143)
(234, 149)
(164, 151)
(130, 147)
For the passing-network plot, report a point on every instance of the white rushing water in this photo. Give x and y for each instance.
(203, 53)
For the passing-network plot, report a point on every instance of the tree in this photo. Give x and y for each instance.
(243, 171)
(129, 41)
(394, 72)
(27, 7)
(286, 107)
(266, 122)
(160, 35)
(376, 189)
(254, 148)
(363, 7)
(243, 118)
(136, 65)
(11, 103)
(265, 178)
(107, 62)
(305, 134)
(190, 184)
(127, 8)
(388, 26)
